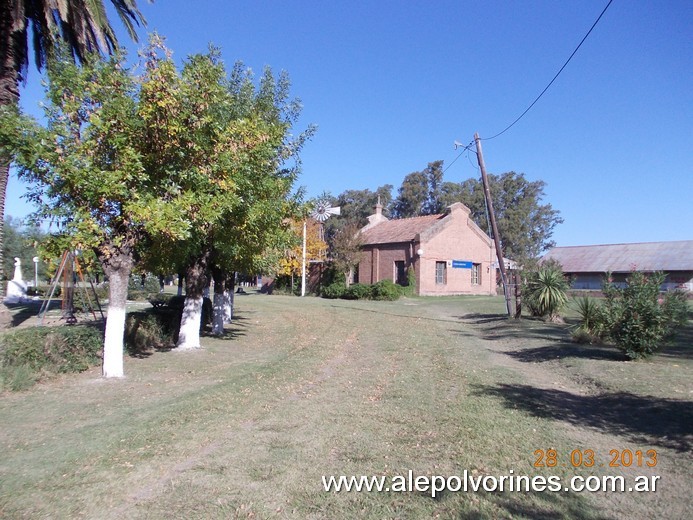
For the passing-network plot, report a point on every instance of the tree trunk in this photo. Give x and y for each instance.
(219, 299)
(195, 284)
(229, 288)
(10, 50)
(181, 277)
(117, 267)
(115, 323)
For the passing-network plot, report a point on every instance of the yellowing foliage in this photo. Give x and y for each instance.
(316, 248)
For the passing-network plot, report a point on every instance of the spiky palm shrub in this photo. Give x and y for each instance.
(545, 291)
(591, 327)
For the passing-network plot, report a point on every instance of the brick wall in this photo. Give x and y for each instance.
(455, 237)
(457, 241)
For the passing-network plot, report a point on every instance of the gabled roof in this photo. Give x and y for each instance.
(399, 230)
(644, 256)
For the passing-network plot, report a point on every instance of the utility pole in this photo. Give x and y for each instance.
(494, 228)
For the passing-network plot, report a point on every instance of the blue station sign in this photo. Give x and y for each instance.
(461, 264)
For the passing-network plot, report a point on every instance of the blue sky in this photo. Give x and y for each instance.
(391, 85)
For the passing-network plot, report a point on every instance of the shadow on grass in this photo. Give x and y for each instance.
(652, 420)
(22, 312)
(567, 350)
(549, 506)
(481, 319)
(230, 333)
(383, 313)
(539, 506)
(682, 345)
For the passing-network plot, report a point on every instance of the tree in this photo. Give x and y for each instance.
(525, 225)
(291, 264)
(87, 172)
(420, 193)
(356, 206)
(224, 145)
(81, 24)
(346, 250)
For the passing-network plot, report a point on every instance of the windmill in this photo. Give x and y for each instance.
(321, 212)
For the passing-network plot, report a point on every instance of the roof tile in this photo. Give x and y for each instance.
(398, 230)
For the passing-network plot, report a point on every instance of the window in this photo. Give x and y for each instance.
(441, 273)
(476, 274)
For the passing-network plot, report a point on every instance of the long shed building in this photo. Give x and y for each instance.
(587, 265)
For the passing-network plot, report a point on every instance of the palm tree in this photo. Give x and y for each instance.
(82, 24)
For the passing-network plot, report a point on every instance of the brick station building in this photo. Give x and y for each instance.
(449, 253)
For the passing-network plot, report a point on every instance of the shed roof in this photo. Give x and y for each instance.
(644, 256)
(398, 230)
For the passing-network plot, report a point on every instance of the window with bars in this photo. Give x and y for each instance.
(476, 274)
(441, 273)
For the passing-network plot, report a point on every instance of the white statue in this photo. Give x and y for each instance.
(17, 270)
(16, 288)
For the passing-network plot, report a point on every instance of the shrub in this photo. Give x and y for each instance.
(386, 290)
(544, 291)
(638, 318)
(160, 299)
(580, 335)
(334, 290)
(50, 349)
(101, 291)
(17, 378)
(358, 291)
(592, 321)
(139, 296)
(151, 284)
(410, 288)
(152, 329)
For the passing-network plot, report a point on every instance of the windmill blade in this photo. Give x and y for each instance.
(323, 211)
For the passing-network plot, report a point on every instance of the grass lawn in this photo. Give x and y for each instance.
(305, 387)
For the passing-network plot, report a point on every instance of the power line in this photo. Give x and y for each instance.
(554, 78)
(465, 149)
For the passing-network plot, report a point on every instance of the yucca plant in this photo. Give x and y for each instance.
(590, 314)
(592, 327)
(545, 291)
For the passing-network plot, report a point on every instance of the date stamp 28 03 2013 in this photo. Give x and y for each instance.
(587, 458)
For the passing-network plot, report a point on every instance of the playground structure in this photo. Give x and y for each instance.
(71, 276)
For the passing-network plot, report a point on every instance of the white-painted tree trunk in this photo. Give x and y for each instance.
(189, 334)
(228, 305)
(115, 323)
(218, 315)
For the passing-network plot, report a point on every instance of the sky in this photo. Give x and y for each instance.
(391, 86)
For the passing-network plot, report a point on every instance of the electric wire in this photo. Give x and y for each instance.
(465, 149)
(554, 78)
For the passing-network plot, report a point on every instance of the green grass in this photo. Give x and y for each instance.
(305, 387)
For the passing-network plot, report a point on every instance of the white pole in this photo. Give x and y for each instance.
(303, 268)
(36, 261)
